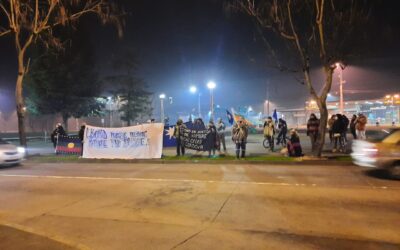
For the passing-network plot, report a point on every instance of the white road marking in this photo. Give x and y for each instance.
(183, 180)
(157, 180)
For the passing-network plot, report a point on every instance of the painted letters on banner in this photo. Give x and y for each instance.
(196, 139)
(137, 142)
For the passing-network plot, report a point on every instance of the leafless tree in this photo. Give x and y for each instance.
(316, 32)
(34, 21)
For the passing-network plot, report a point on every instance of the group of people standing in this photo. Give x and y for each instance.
(338, 125)
(292, 145)
(216, 136)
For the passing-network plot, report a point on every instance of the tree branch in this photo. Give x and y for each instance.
(319, 18)
(4, 32)
(5, 12)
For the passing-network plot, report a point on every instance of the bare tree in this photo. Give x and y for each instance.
(316, 32)
(32, 21)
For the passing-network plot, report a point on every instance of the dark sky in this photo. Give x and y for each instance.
(181, 42)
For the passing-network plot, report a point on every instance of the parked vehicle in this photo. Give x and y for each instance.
(10, 154)
(383, 153)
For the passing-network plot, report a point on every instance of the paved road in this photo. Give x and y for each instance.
(150, 206)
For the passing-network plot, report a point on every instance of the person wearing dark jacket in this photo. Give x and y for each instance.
(282, 126)
(213, 139)
(312, 130)
(180, 148)
(353, 126)
(81, 135)
(293, 145)
(58, 131)
(337, 130)
(346, 123)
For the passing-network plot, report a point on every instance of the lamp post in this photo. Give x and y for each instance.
(193, 90)
(211, 86)
(162, 97)
(110, 109)
(341, 82)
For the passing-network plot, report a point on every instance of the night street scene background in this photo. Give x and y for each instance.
(201, 124)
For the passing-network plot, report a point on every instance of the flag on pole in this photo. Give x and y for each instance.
(230, 117)
(275, 116)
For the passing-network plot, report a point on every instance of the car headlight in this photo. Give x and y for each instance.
(21, 150)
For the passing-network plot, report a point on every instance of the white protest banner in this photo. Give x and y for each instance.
(137, 142)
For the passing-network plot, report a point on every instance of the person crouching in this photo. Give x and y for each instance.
(293, 145)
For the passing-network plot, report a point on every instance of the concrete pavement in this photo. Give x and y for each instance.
(190, 206)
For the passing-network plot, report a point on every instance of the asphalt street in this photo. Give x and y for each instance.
(197, 206)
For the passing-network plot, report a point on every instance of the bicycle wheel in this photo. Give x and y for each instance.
(266, 143)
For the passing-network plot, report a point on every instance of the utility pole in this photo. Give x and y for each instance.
(341, 82)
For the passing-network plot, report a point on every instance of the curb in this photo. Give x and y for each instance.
(293, 161)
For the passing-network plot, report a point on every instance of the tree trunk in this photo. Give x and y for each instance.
(20, 100)
(323, 110)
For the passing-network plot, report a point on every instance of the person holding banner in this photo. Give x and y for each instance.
(239, 137)
(81, 135)
(214, 142)
(177, 133)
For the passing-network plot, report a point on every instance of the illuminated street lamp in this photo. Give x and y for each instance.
(193, 90)
(110, 109)
(211, 86)
(162, 97)
(341, 67)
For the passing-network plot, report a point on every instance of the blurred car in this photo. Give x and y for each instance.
(382, 153)
(10, 154)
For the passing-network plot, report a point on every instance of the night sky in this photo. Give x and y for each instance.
(179, 43)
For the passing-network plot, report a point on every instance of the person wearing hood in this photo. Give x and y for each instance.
(353, 126)
(293, 145)
(58, 131)
(361, 123)
(213, 139)
(180, 148)
(239, 137)
(312, 130)
(269, 132)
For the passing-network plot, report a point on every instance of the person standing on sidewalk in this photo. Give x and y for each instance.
(353, 126)
(239, 137)
(269, 132)
(361, 123)
(213, 139)
(81, 135)
(337, 131)
(282, 126)
(346, 123)
(221, 134)
(330, 125)
(58, 131)
(312, 130)
(180, 148)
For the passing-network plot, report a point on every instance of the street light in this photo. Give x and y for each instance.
(341, 67)
(193, 90)
(162, 97)
(110, 102)
(211, 86)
